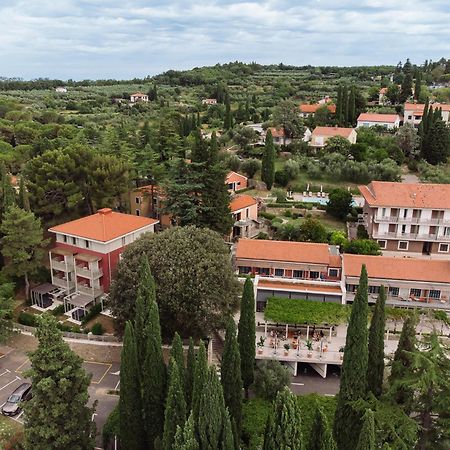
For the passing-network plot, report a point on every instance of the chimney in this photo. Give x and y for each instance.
(105, 211)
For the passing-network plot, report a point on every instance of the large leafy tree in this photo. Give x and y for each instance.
(57, 416)
(375, 367)
(340, 203)
(268, 161)
(130, 401)
(247, 335)
(6, 303)
(195, 284)
(353, 386)
(231, 374)
(22, 243)
(287, 115)
(283, 429)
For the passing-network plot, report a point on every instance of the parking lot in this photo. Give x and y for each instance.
(105, 378)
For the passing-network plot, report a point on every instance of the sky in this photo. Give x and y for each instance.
(123, 39)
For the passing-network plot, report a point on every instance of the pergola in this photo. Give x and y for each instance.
(44, 293)
(77, 300)
(297, 326)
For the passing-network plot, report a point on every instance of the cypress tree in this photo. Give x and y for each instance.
(185, 438)
(402, 363)
(283, 429)
(339, 105)
(247, 335)
(352, 106)
(321, 437)
(366, 439)
(231, 374)
(418, 85)
(175, 413)
(345, 117)
(437, 143)
(354, 370)
(57, 416)
(227, 438)
(153, 378)
(145, 296)
(210, 418)
(201, 370)
(177, 354)
(375, 367)
(268, 162)
(213, 148)
(189, 376)
(130, 403)
(228, 121)
(23, 200)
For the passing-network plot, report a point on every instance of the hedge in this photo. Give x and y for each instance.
(27, 319)
(94, 311)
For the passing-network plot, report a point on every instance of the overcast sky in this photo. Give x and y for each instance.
(132, 38)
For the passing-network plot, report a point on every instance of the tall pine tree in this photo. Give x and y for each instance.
(352, 106)
(375, 367)
(130, 403)
(175, 413)
(283, 429)
(321, 436)
(345, 116)
(185, 438)
(177, 354)
(189, 376)
(201, 370)
(247, 335)
(268, 161)
(57, 417)
(353, 386)
(231, 374)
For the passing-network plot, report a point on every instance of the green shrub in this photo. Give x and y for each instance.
(262, 235)
(27, 319)
(69, 328)
(281, 178)
(267, 215)
(111, 427)
(94, 311)
(270, 377)
(254, 413)
(58, 310)
(97, 329)
(287, 213)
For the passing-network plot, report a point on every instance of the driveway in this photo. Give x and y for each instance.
(308, 381)
(105, 378)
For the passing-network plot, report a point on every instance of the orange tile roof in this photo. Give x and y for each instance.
(332, 131)
(391, 268)
(276, 132)
(285, 251)
(383, 90)
(234, 176)
(419, 107)
(292, 286)
(305, 108)
(139, 94)
(104, 226)
(372, 117)
(407, 195)
(242, 201)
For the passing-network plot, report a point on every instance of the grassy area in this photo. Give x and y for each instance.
(11, 432)
(285, 310)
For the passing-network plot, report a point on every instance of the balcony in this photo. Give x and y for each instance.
(85, 272)
(411, 220)
(61, 265)
(410, 236)
(91, 291)
(62, 283)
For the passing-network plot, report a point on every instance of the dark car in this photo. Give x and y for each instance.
(12, 405)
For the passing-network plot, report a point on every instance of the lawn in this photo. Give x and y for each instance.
(11, 432)
(296, 311)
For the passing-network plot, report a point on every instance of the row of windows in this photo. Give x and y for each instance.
(73, 241)
(281, 272)
(395, 291)
(404, 245)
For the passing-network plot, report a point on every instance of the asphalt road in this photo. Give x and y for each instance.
(105, 377)
(309, 381)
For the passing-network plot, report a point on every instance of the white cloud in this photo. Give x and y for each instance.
(127, 38)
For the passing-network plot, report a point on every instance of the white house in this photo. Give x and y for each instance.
(61, 89)
(209, 101)
(320, 135)
(414, 112)
(138, 97)
(389, 121)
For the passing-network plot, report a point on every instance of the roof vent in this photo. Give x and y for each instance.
(105, 211)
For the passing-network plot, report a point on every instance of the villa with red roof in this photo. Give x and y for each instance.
(244, 210)
(138, 97)
(320, 135)
(87, 251)
(318, 272)
(414, 112)
(236, 182)
(389, 121)
(408, 219)
(309, 110)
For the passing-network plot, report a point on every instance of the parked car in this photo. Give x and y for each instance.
(12, 405)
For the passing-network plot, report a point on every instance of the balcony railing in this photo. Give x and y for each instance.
(324, 280)
(85, 272)
(413, 220)
(88, 290)
(61, 265)
(62, 283)
(411, 236)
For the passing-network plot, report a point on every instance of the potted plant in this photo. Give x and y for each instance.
(341, 351)
(286, 349)
(309, 346)
(260, 344)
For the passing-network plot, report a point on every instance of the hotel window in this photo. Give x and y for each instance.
(138, 212)
(403, 229)
(405, 213)
(383, 214)
(279, 272)
(435, 294)
(403, 245)
(382, 244)
(86, 243)
(138, 200)
(123, 241)
(74, 241)
(64, 238)
(415, 292)
(263, 270)
(298, 274)
(443, 248)
(333, 272)
(394, 291)
(314, 275)
(374, 289)
(351, 287)
(244, 270)
(446, 231)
